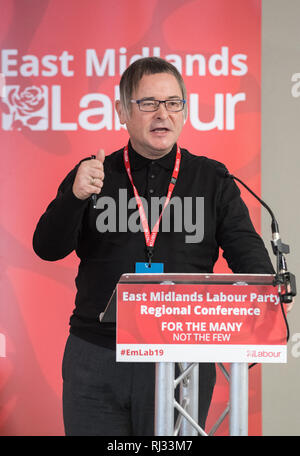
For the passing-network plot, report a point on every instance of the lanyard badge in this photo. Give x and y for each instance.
(150, 237)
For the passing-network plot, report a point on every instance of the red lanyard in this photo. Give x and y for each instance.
(151, 237)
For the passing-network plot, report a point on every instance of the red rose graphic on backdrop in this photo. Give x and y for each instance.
(25, 107)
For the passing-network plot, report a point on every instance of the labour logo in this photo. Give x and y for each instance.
(25, 107)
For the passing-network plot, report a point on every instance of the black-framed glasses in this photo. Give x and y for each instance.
(150, 105)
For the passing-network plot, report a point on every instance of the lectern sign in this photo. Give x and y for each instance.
(217, 323)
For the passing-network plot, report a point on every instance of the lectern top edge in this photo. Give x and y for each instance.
(263, 279)
(109, 315)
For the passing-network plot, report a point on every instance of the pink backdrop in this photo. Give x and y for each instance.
(62, 61)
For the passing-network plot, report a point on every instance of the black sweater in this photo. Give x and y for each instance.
(71, 224)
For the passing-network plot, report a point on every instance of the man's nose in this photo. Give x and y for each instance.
(162, 112)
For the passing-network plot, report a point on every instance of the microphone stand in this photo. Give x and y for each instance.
(285, 280)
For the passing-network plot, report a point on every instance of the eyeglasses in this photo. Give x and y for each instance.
(149, 105)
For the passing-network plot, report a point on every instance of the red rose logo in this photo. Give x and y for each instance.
(30, 100)
(22, 105)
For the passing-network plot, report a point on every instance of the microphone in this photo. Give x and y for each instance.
(283, 277)
(274, 225)
(94, 196)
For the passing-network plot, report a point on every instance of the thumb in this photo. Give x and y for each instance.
(100, 155)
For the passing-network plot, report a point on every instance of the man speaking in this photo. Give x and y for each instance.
(100, 396)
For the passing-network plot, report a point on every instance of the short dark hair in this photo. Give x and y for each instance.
(144, 66)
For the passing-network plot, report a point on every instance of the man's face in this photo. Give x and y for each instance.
(153, 134)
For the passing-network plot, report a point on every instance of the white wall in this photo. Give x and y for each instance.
(281, 189)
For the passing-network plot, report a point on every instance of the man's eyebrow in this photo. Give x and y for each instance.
(172, 97)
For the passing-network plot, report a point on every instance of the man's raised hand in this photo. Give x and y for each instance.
(89, 177)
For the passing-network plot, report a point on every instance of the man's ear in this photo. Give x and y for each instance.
(121, 112)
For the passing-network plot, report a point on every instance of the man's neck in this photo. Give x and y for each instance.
(151, 154)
